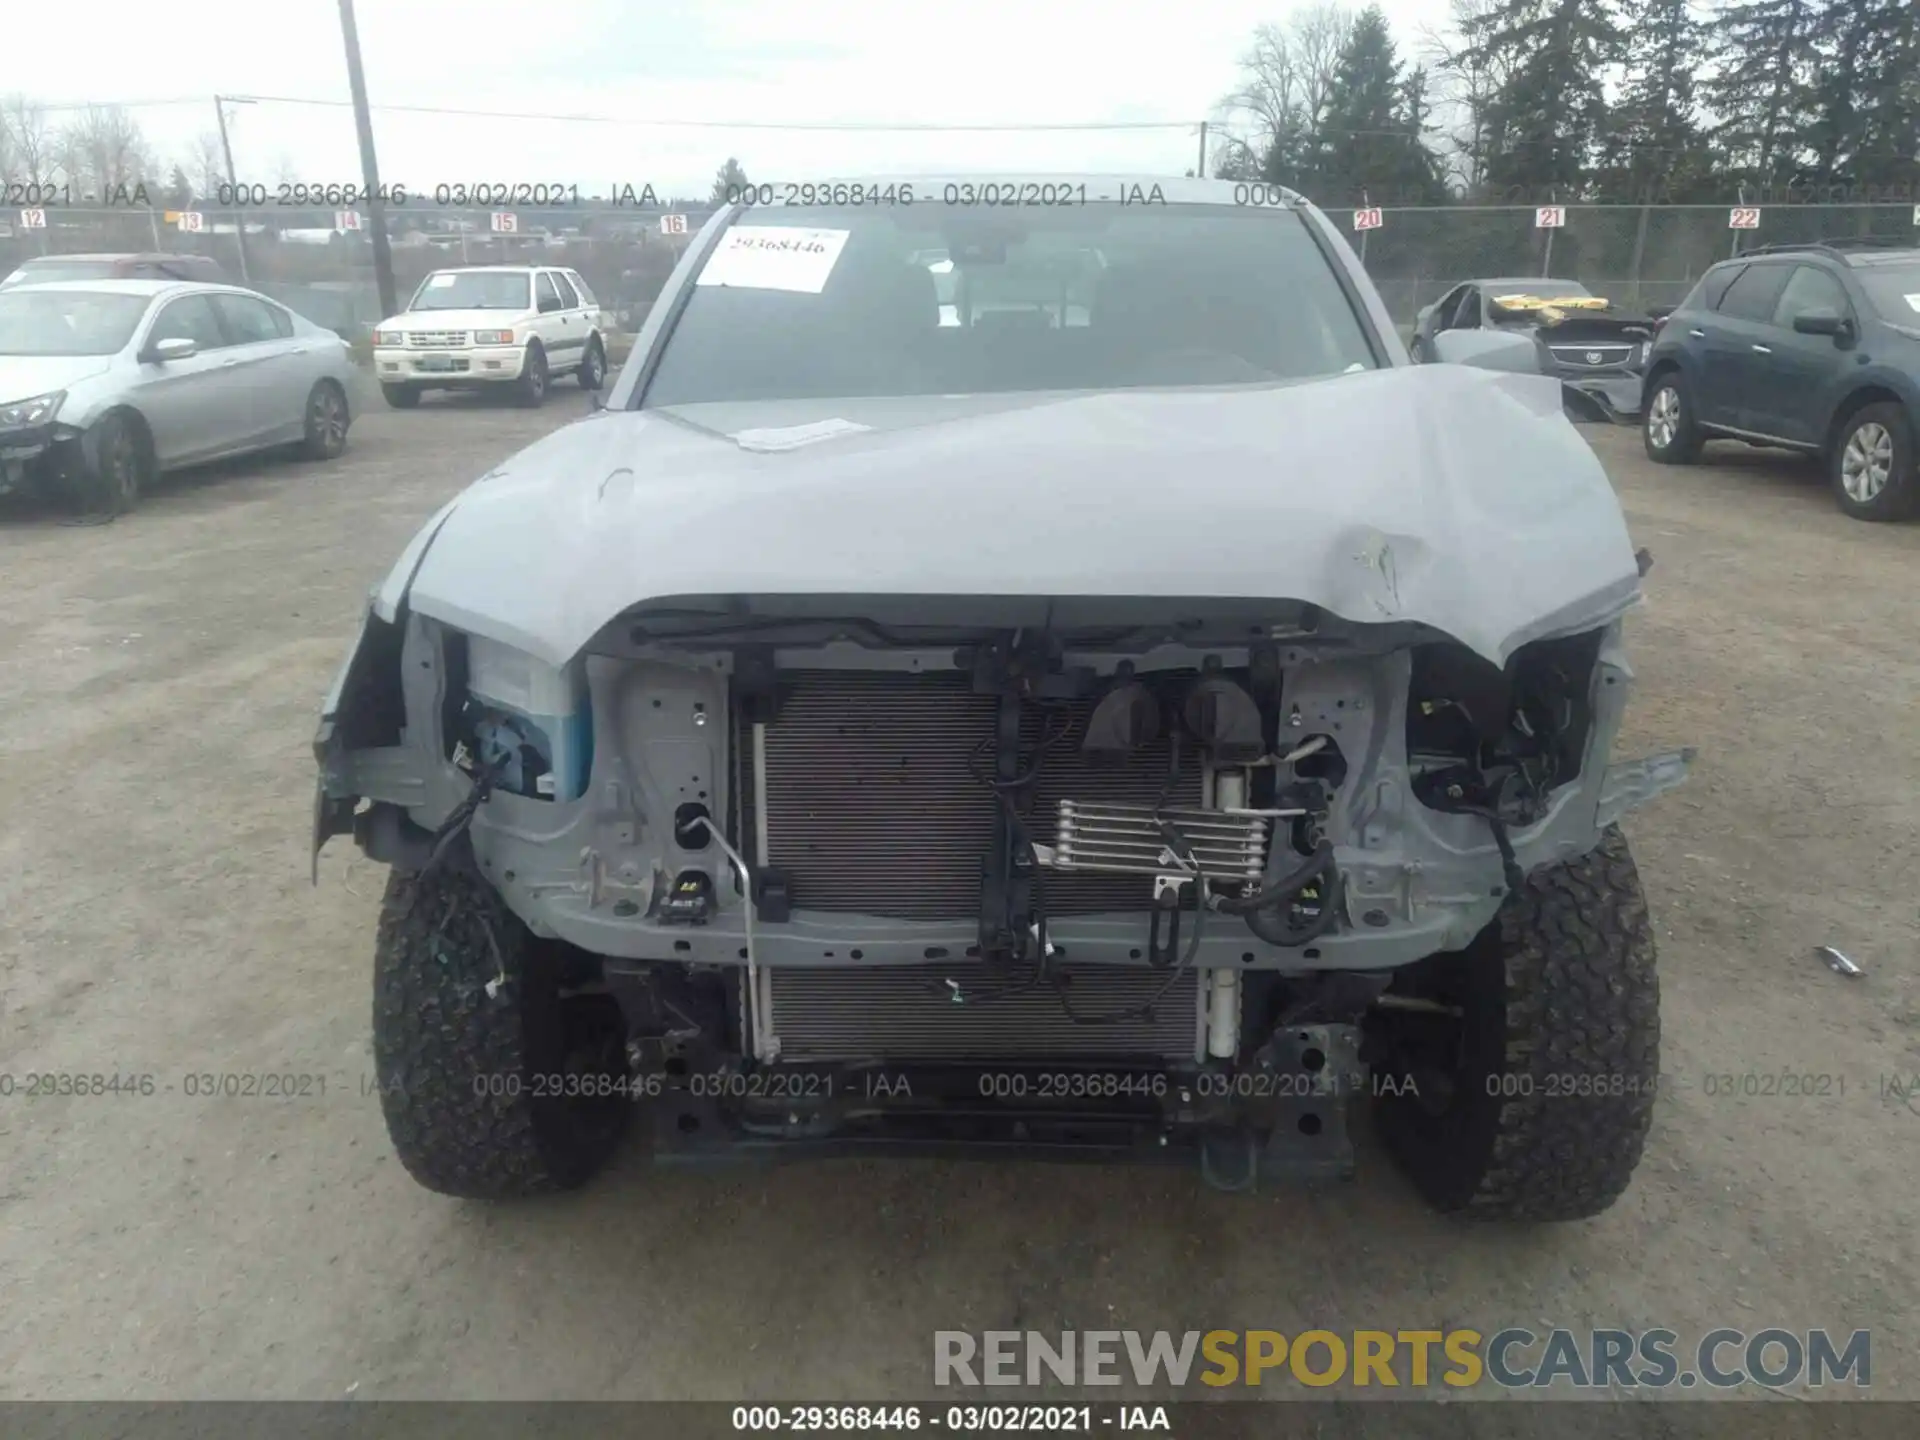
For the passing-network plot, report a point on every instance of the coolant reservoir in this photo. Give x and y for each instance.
(534, 717)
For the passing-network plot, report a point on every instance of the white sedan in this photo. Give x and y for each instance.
(106, 384)
(485, 326)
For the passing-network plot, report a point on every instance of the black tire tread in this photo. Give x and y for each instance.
(580, 374)
(1583, 999)
(436, 1031)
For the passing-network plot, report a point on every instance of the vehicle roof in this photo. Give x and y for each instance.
(116, 255)
(509, 269)
(1861, 259)
(148, 288)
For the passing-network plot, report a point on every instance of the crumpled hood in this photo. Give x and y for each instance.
(1455, 497)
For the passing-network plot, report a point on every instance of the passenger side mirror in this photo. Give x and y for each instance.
(176, 347)
(1489, 350)
(1822, 322)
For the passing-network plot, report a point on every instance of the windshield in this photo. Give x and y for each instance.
(1894, 290)
(67, 322)
(472, 290)
(952, 300)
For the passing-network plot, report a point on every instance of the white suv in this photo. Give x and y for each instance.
(482, 325)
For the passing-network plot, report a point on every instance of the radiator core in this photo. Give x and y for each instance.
(870, 806)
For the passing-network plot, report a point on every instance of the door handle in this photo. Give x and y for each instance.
(1698, 334)
(1763, 349)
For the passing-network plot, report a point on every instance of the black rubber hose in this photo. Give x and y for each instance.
(1266, 924)
(1277, 890)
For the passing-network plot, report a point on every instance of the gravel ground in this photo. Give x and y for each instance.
(158, 685)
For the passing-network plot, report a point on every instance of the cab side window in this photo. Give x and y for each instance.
(545, 297)
(568, 299)
(1810, 288)
(249, 321)
(191, 317)
(1754, 293)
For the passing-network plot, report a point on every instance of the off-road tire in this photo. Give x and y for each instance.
(1684, 447)
(592, 373)
(1900, 496)
(466, 1078)
(535, 379)
(401, 397)
(1557, 1057)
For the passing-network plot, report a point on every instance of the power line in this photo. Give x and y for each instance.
(831, 125)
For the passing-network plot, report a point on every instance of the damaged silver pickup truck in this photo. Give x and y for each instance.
(1045, 678)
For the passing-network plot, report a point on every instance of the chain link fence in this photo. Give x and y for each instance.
(1638, 255)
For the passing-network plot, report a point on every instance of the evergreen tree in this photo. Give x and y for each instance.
(1653, 150)
(1363, 149)
(1763, 88)
(728, 182)
(1417, 176)
(1550, 109)
(1873, 133)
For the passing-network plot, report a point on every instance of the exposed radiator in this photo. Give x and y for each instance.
(907, 1012)
(871, 808)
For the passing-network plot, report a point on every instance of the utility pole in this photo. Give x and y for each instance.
(233, 188)
(369, 166)
(1546, 262)
(1201, 173)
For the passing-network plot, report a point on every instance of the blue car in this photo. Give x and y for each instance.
(1812, 347)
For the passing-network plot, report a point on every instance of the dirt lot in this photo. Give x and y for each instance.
(158, 685)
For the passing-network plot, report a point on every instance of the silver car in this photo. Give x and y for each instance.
(106, 384)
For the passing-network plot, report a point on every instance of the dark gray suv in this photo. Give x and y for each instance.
(1811, 347)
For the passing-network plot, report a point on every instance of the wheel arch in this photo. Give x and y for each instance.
(142, 430)
(1874, 392)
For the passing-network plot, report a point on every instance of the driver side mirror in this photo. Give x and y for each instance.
(1489, 350)
(176, 347)
(1823, 322)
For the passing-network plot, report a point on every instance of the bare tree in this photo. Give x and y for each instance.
(27, 142)
(206, 165)
(1286, 79)
(104, 150)
(1468, 81)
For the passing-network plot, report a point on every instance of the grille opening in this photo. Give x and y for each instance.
(872, 808)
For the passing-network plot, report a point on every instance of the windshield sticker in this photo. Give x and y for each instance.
(774, 257)
(440, 282)
(792, 437)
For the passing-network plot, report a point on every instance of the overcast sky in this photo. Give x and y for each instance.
(715, 61)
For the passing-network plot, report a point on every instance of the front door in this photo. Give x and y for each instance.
(187, 404)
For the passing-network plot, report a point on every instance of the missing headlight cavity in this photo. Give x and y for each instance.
(527, 721)
(1503, 736)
